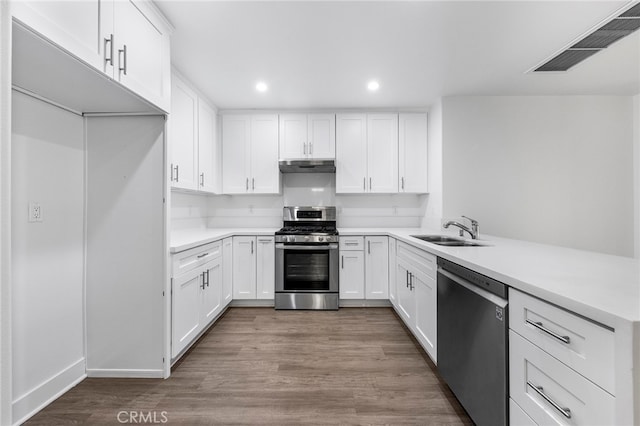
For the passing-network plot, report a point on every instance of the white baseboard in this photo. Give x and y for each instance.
(48, 391)
(253, 303)
(134, 374)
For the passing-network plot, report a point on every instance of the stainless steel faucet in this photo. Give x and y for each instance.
(473, 231)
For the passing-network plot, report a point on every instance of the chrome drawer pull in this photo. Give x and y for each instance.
(539, 326)
(540, 391)
(202, 255)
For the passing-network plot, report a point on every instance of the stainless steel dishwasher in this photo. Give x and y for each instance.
(472, 341)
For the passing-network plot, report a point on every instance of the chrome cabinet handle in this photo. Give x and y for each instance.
(252, 247)
(540, 391)
(171, 170)
(351, 243)
(402, 183)
(407, 279)
(539, 326)
(364, 183)
(201, 179)
(411, 281)
(123, 63)
(246, 184)
(304, 149)
(310, 148)
(110, 42)
(253, 184)
(207, 271)
(369, 184)
(342, 262)
(202, 255)
(369, 246)
(203, 282)
(177, 174)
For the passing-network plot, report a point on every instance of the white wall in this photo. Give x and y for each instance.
(47, 256)
(556, 170)
(636, 174)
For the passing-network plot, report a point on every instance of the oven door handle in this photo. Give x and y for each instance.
(282, 246)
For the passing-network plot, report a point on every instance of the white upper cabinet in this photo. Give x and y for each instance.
(305, 136)
(141, 51)
(412, 148)
(382, 152)
(351, 153)
(192, 138)
(250, 154)
(183, 136)
(127, 40)
(73, 25)
(367, 153)
(207, 148)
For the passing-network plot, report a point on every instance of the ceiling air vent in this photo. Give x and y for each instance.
(619, 27)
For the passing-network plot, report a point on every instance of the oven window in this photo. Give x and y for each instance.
(306, 270)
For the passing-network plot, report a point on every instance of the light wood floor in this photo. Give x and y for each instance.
(261, 366)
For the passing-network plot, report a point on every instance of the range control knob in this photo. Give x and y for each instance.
(306, 238)
(320, 238)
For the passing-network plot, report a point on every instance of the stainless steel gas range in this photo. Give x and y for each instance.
(307, 275)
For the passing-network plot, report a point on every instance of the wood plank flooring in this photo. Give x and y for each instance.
(261, 366)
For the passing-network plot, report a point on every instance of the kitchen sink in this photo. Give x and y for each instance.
(444, 240)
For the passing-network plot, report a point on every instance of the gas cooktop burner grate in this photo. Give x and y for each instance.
(308, 230)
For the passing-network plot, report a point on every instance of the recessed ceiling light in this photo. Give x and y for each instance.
(261, 86)
(373, 85)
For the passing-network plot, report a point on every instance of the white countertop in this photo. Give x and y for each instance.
(601, 287)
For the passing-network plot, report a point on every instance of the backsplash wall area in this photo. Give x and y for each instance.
(258, 211)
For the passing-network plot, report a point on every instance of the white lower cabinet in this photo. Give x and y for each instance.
(253, 267)
(391, 265)
(352, 274)
(364, 267)
(550, 392)
(561, 365)
(196, 293)
(416, 294)
(227, 271)
(517, 417)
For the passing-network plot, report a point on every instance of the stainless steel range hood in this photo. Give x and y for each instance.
(307, 166)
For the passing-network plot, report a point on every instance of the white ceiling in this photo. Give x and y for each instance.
(321, 54)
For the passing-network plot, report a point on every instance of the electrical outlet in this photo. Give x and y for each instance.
(35, 212)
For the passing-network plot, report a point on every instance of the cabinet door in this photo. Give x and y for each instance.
(406, 301)
(321, 135)
(236, 143)
(265, 176)
(382, 153)
(426, 312)
(227, 271)
(412, 152)
(212, 291)
(206, 148)
(293, 136)
(183, 136)
(392, 272)
(265, 268)
(244, 267)
(351, 275)
(73, 25)
(185, 309)
(351, 153)
(141, 52)
(377, 267)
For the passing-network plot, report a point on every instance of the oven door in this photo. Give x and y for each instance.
(309, 268)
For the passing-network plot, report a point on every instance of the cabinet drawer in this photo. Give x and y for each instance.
(351, 243)
(590, 347)
(189, 259)
(517, 417)
(537, 381)
(419, 259)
